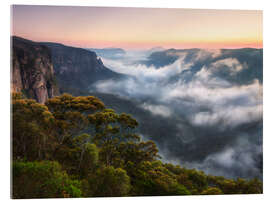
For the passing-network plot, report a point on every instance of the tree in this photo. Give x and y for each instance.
(71, 120)
(211, 191)
(195, 181)
(138, 152)
(71, 114)
(152, 178)
(95, 151)
(88, 155)
(238, 186)
(42, 180)
(228, 186)
(109, 182)
(255, 186)
(198, 179)
(32, 127)
(112, 130)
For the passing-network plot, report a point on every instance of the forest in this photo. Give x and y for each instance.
(77, 147)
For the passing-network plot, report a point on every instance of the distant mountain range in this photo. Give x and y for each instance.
(251, 58)
(109, 52)
(155, 49)
(119, 53)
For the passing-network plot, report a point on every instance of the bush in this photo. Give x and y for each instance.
(42, 180)
(152, 178)
(110, 182)
(212, 191)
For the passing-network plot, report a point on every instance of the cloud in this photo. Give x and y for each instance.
(144, 81)
(228, 117)
(197, 54)
(242, 159)
(203, 54)
(157, 109)
(143, 72)
(234, 161)
(232, 65)
(212, 124)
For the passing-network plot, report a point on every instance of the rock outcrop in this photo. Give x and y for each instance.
(32, 70)
(78, 68)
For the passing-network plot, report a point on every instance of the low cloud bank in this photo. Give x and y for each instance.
(206, 107)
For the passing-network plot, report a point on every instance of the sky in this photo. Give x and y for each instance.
(138, 28)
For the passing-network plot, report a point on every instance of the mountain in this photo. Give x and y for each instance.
(109, 52)
(226, 59)
(155, 49)
(160, 58)
(78, 68)
(43, 69)
(32, 71)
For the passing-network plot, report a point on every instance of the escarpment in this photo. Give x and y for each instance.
(32, 70)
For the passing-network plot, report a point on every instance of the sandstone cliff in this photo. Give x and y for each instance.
(32, 70)
(78, 68)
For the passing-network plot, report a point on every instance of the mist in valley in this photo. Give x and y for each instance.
(203, 108)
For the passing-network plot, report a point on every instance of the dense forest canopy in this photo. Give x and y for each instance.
(76, 147)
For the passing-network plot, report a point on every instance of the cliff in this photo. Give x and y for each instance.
(77, 68)
(32, 70)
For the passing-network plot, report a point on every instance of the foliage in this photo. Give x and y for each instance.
(116, 137)
(32, 128)
(42, 180)
(152, 178)
(109, 182)
(212, 191)
(74, 146)
(71, 114)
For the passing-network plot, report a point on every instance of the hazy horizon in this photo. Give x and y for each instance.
(138, 28)
(138, 49)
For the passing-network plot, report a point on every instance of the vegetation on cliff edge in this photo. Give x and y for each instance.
(76, 147)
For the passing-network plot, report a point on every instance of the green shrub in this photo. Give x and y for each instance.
(42, 180)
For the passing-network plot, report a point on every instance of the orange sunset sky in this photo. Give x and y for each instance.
(138, 28)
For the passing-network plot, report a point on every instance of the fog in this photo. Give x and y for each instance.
(218, 122)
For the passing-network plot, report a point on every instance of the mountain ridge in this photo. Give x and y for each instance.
(77, 67)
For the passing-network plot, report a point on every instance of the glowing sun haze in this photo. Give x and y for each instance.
(138, 28)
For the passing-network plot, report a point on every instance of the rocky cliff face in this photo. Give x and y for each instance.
(78, 68)
(32, 70)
